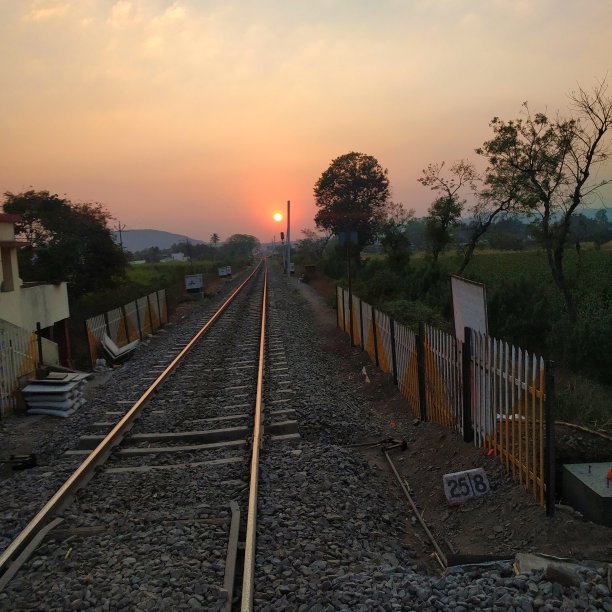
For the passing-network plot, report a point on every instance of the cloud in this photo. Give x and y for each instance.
(45, 11)
(122, 15)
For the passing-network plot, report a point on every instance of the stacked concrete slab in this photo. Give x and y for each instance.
(59, 394)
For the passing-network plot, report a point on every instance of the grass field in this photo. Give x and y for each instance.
(590, 275)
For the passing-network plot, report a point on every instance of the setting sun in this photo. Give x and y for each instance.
(278, 217)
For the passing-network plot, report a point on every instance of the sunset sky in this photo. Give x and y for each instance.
(199, 116)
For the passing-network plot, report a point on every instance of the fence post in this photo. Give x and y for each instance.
(343, 313)
(150, 314)
(375, 336)
(420, 347)
(106, 324)
(393, 353)
(138, 318)
(161, 323)
(91, 358)
(126, 327)
(549, 417)
(39, 344)
(351, 322)
(337, 309)
(361, 325)
(466, 371)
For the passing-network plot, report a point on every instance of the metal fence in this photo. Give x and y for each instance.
(490, 392)
(507, 402)
(127, 323)
(18, 358)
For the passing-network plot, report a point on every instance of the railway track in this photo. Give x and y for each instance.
(170, 488)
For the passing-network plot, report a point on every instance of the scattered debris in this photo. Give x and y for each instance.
(117, 354)
(21, 462)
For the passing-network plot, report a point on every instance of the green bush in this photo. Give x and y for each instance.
(412, 313)
(519, 312)
(588, 348)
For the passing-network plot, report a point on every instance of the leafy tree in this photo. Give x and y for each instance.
(585, 229)
(151, 255)
(444, 215)
(193, 251)
(240, 246)
(508, 234)
(352, 195)
(496, 199)
(214, 241)
(550, 163)
(445, 212)
(66, 242)
(311, 247)
(416, 234)
(394, 237)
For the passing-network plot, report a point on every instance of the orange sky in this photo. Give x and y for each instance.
(194, 116)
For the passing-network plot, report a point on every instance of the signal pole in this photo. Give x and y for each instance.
(288, 238)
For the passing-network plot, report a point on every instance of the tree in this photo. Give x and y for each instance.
(597, 230)
(551, 162)
(311, 247)
(496, 199)
(214, 241)
(445, 211)
(394, 237)
(66, 242)
(352, 195)
(508, 234)
(240, 246)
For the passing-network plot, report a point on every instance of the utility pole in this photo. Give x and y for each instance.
(119, 228)
(288, 238)
(283, 250)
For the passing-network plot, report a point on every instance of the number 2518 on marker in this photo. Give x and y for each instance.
(461, 486)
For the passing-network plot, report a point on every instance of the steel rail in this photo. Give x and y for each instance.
(248, 579)
(83, 474)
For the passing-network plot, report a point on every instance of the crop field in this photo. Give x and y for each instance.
(590, 275)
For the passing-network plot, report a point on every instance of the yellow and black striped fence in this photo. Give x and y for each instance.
(490, 392)
(127, 323)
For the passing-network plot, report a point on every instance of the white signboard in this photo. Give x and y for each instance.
(193, 282)
(225, 271)
(469, 306)
(461, 486)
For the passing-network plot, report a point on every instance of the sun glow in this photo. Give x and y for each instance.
(278, 217)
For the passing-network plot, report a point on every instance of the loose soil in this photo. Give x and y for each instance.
(506, 521)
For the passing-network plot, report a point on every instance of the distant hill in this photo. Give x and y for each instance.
(137, 240)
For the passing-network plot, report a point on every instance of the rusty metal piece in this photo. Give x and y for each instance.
(439, 556)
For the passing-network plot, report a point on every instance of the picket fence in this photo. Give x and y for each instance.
(127, 323)
(490, 392)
